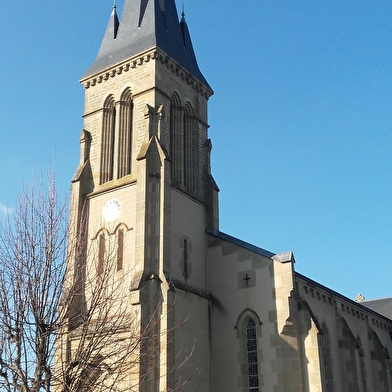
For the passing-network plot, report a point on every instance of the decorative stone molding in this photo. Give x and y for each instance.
(342, 305)
(175, 68)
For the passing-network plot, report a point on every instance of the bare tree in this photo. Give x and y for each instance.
(32, 264)
(67, 321)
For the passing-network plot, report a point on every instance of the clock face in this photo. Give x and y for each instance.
(111, 210)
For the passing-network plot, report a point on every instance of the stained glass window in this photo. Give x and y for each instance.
(251, 349)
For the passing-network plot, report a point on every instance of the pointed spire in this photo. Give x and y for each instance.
(146, 24)
(188, 47)
(114, 20)
(110, 33)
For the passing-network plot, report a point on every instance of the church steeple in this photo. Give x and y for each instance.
(146, 24)
(143, 194)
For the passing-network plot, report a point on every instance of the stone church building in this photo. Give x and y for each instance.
(247, 319)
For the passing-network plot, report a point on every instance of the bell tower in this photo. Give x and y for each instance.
(144, 180)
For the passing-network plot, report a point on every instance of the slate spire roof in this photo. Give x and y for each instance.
(146, 24)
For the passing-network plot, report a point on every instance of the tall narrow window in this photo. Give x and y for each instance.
(186, 272)
(326, 364)
(177, 140)
(185, 262)
(120, 249)
(101, 257)
(124, 161)
(183, 144)
(189, 147)
(107, 143)
(253, 363)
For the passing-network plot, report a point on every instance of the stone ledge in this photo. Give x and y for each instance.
(126, 66)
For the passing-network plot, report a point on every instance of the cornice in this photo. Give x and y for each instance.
(140, 60)
(342, 303)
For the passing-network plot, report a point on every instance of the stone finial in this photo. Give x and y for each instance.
(359, 298)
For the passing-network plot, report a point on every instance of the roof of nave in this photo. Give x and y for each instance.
(382, 306)
(243, 244)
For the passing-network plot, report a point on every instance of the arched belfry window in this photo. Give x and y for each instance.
(190, 148)
(124, 160)
(183, 144)
(107, 142)
(177, 139)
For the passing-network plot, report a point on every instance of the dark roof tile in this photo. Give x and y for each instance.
(382, 306)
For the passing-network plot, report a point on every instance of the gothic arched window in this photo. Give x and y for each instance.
(101, 257)
(120, 249)
(252, 358)
(124, 160)
(107, 143)
(326, 360)
(189, 147)
(177, 140)
(249, 333)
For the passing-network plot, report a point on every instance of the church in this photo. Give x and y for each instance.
(230, 316)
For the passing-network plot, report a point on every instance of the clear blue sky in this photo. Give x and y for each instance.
(301, 120)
